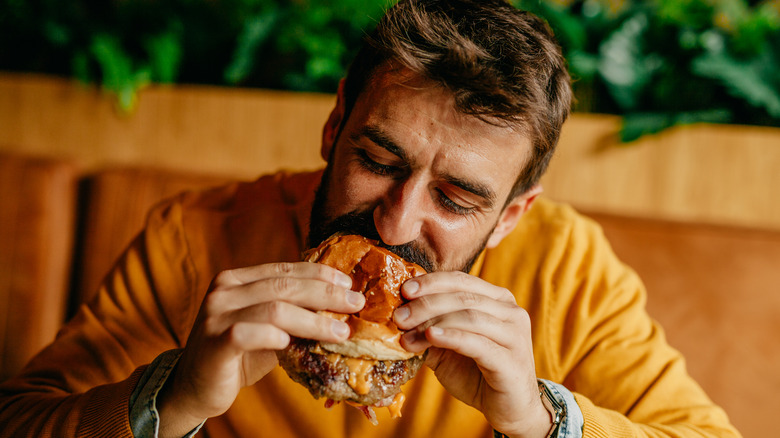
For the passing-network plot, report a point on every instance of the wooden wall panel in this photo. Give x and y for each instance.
(720, 174)
(207, 129)
(716, 174)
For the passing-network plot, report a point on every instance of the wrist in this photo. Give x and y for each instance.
(175, 420)
(144, 415)
(549, 415)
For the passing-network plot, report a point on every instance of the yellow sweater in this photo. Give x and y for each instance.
(590, 330)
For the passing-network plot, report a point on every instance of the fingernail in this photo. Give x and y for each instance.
(436, 331)
(340, 329)
(401, 313)
(355, 298)
(411, 287)
(410, 337)
(344, 280)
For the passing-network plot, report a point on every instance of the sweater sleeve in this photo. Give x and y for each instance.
(627, 380)
(80, 385)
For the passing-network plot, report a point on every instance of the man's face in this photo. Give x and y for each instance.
(408, 169)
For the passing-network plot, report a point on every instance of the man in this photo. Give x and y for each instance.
(442, 128)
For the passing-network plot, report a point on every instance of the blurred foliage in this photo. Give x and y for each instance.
(661, 63)
(656, 62)
(126, 44)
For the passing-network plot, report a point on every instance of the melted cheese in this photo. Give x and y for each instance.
(333, 358)
(360, 374)
(395, 406)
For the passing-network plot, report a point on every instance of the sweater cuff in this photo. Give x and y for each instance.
(144, 417)
(603, 423)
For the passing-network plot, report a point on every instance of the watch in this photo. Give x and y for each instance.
(557, 411)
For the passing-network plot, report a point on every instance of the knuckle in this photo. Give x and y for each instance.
(469, 299)
(429, 323)
(274, 311)
(522, 313)
(212, 303)
(520, 316)
(463, 276)
(223, 277)
(473, 316)
(423, 303)
(332, 290)
(324, 271)
(284, 268)
(324, 324)
(335, 277)
(284, 284)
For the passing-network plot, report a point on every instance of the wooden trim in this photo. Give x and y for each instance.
(705, 173)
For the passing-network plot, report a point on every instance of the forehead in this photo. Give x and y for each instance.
(420, 116)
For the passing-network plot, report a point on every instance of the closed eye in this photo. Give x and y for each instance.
(372, 165)
(453, 206)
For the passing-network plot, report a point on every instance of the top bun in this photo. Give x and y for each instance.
(378, 274)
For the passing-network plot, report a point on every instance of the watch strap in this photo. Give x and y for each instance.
(556, 409)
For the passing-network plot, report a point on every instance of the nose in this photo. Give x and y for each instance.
(400, 216)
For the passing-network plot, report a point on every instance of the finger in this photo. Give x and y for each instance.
(504, 334)
(303, 292)
(429, 307)
(252, 336)
(235, 342)
(489, 356)
(448, 282)
(315, 271)
(289, 318)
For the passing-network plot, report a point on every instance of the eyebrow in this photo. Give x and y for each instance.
(478, 189)
(376, 135)
(381, 139)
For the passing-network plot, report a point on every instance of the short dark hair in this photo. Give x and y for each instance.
(502, 65)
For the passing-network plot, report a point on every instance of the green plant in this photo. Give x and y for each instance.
(656, 62)
(126, 44)
(661, 63)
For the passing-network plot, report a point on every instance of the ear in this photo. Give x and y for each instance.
(512, 214)
(332, 127)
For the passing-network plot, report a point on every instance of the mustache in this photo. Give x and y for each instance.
(411, 253)
(362, 223)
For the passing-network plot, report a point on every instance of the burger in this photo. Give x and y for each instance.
(368, 369)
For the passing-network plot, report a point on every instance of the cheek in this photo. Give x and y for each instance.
(354, 189)
(355, 193)
(463, 228)
(454, 239)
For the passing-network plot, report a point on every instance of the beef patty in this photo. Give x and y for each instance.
(328, 374)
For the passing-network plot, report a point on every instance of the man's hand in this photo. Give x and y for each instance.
(480, 347)
(248, 314)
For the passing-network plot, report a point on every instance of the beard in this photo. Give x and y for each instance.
(322, 225)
